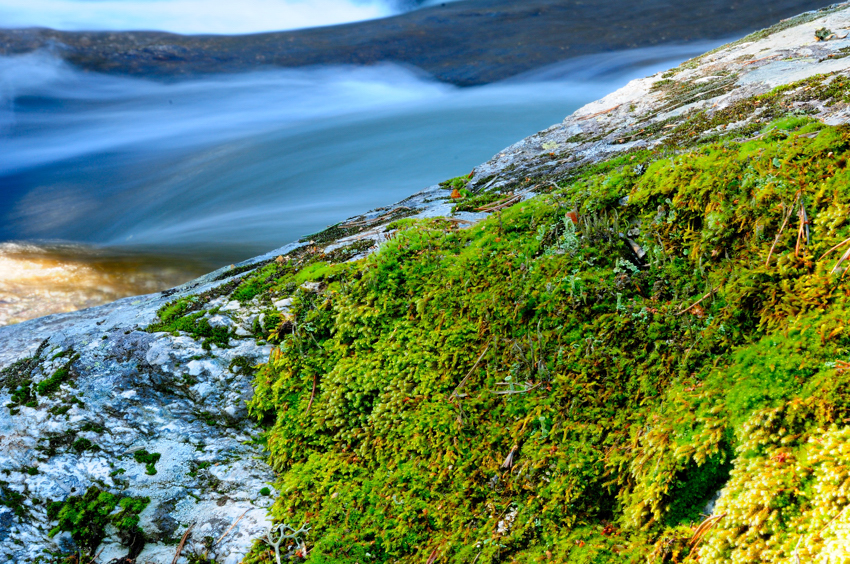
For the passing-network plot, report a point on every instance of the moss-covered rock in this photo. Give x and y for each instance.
(533, 387)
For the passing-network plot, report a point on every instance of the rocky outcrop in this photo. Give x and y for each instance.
(118, 411)
(650, 111)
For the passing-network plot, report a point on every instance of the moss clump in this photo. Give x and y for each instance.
(51, 384)
(524, 391)
(13, 500)
(471, 203)
(82, 445)
(347, 252)
(149, 459)
(17, 379)
(456, 183)
(195, 324)
(87, 516)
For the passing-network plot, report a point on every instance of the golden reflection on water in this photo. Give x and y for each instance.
(40, 280)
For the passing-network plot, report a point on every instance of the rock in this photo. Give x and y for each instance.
(65, 543)
(283, 304)
(643, 113)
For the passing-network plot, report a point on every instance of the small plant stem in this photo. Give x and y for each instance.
(231, 527)
(781, 229)
(468, 374)
(692, 306)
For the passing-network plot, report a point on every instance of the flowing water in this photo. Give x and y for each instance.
(197, 16)
(116, 186)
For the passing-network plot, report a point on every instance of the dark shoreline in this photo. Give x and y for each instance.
(464, 43)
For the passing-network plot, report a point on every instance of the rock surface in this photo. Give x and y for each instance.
(465, 43)
(646, 111)
(99, 391)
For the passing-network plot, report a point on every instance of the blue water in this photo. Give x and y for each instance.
(196, 16)
(234, 165)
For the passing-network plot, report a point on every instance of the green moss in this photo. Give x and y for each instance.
(51, 384)
(82, 445)
(198, 466)
(198, 327)
(149, 459)
(457, 183)
(87, 516)
(471, 203)
(529, 389)
(347, 252)
(265, 491)
(13, 500)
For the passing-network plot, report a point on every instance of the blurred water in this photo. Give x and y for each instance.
(198, 16)
(190, 16)
(219, 169)
(255, 160)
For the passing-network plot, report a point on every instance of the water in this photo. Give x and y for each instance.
(206, 172)
(197, 16)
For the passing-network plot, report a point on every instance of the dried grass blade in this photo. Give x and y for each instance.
(468, 374)
(696, 303)
(781, 229)
(231, 527)
(842, 243)
(182, 544)
(844, 257)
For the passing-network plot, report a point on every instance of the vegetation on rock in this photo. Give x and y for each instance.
(535, 388)
(86, 518)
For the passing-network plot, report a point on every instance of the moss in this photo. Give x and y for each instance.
(13, 500)
(457, 183)
(471, 203)
(357, 225)
(242, 365)
(17, 379)
(524, 390)
(197, 467)
(149, 459)
(347, 252)
(265, 491)
(87, 516)
(198, 327)
(237, 270)
(51, 384)
(82, 445)
(183, 315)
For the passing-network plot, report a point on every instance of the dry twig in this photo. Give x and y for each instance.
(582, 118)
(374, 220)
(825, 527)
(312, 394)
(468, 374)
(695, 304)
(844, 242)
(701, 531)
(231, 527)
(781, 229)
(182, 544)
(803, 230)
